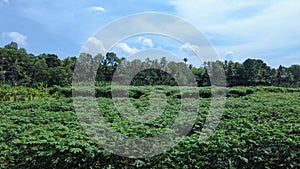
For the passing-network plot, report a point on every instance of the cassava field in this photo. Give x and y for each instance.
(259, 128)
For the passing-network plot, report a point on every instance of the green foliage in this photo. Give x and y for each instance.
(39, 127)
(174, 91)
(20, 93)
(259, 129)
(17, 67)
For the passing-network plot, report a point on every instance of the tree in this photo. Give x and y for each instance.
(52, 60)
(12, 45)
(2, 71)
(284, 77)
(16, 70)
(256, 72)
(20, 68)
(295, 72)
(185, 60)
(41, 71)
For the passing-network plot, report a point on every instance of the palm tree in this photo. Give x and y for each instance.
(15, 69)
(2, 72)
(185, 60)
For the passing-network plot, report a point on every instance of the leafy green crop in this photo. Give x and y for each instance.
(258, 129)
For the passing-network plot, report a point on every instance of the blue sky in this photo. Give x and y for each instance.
(239, 29)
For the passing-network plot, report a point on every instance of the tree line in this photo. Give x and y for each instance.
(17, 67)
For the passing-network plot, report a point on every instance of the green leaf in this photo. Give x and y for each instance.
(75, 150)
(243, 159)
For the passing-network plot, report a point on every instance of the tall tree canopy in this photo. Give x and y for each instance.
(17, 67)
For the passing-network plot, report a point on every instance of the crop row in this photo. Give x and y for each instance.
(258, 130)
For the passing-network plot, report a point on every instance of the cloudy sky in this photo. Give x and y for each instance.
(238, 29)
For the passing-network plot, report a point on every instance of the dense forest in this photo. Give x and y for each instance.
(19, 68)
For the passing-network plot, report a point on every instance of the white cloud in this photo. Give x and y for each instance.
(206, 52)
(127, 49)
(228, 53)
(146, 42)
(98, 9)
(94, 46)
(16, 37)
(189, 46)
(250, 28)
